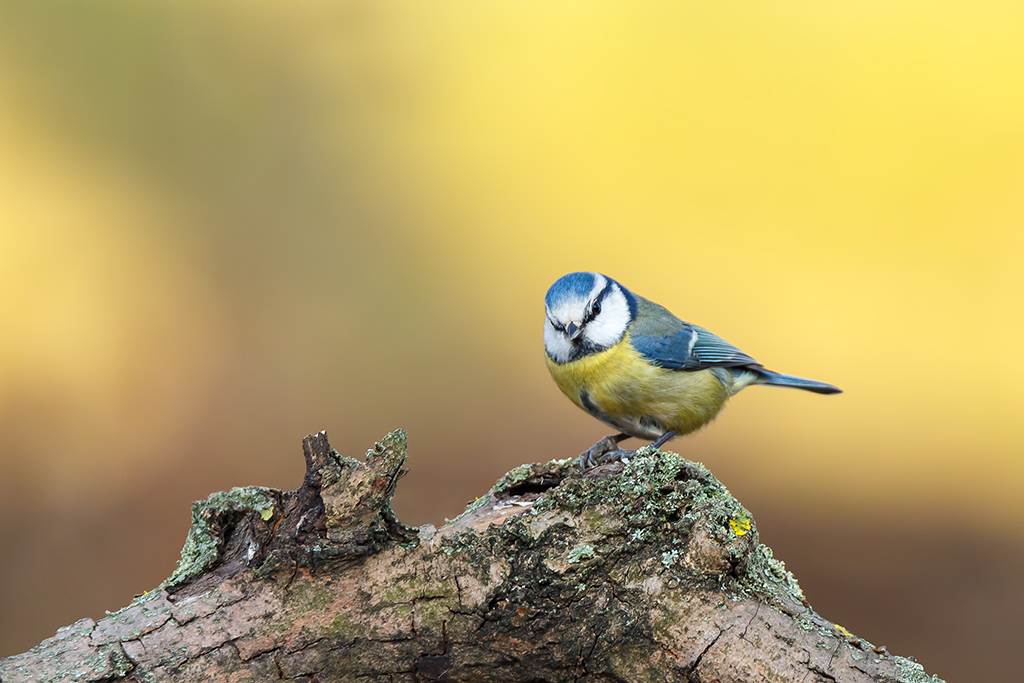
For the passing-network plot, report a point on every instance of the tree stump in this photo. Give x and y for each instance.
(643, 571)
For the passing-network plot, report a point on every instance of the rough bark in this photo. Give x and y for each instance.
(645, 571)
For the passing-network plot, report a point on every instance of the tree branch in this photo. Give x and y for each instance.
(645, 571)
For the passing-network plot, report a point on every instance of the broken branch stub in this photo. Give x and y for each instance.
(356, 496)
(644, 571)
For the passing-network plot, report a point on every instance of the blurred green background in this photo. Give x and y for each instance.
(224, 225)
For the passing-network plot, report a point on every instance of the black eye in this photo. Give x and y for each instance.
(595, 309)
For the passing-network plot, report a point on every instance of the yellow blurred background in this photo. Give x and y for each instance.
(224, 225)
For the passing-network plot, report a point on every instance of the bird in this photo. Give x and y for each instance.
(635, 366)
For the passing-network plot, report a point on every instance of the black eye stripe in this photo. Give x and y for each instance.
(594, 310)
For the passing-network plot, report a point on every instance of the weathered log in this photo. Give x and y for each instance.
(644, 571)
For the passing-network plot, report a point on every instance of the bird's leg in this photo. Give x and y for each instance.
(662, 440)
(595, 454)
(613, 454)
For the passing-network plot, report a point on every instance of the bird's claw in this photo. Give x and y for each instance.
(605, 450)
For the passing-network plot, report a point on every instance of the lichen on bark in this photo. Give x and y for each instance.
(637, 571)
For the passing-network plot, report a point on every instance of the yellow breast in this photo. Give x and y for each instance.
(620, 387)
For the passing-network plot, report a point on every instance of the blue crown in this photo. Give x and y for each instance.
(573, 285)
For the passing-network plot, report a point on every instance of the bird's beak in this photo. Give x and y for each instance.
(574, 331)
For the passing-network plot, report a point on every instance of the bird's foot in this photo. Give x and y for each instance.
(607, 450)
(602, 451)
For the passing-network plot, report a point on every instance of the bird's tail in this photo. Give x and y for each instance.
(777, 379)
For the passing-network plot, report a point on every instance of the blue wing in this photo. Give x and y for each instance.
(691, 348)
(671, 343)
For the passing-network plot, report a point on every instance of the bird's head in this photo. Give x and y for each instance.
(586, 313)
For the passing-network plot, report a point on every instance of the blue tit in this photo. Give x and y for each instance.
(633, 365)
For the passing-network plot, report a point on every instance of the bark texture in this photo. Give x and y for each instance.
(645, 571)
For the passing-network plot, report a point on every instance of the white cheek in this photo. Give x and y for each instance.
(557, 344)
(610, 324)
